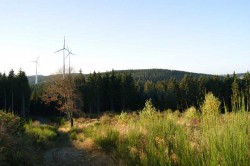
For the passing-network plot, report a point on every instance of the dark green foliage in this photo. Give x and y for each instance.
(125, 90)
(108, 92)
(14, 92)
(38, 106)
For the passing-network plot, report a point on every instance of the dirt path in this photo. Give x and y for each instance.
(73, 154)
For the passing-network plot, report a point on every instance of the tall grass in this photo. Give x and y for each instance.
(41, 134)
(171, 138)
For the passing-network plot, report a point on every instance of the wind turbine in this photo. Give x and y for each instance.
(69, 53)
(63, 49)
(36, 61)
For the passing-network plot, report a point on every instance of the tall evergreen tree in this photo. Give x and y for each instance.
(23, 92)
(235, 98)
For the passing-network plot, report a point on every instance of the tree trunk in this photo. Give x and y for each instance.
(123, 104)
(71, 122)
(12, 102)
(98, 106)
(23, 106)
(5, 101)
(70, 118)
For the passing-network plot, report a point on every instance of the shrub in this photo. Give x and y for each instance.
(73, 136)
(191, 113)
(15, 149)
(123, 117)
(73, 133)
(10, 122)
(105, 119)
(149, 111)
(211, 105)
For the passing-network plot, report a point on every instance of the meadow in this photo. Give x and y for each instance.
(149, 137)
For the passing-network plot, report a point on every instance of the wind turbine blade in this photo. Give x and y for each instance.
(37, 58)
(64, 42)
(70, 51)
(66, 49)
(59, 50)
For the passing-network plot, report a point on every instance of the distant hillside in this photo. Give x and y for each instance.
(41, 78)
(142, 75)
(239, 75)
(158, 74)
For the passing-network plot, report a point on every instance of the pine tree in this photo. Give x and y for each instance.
(235, 99)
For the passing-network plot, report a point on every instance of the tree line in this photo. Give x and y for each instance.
(155, 75)
(14, 92)
(112, 91)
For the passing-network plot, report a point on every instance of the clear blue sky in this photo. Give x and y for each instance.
(205, 36)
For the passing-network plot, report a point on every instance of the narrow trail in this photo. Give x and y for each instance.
(68, 153)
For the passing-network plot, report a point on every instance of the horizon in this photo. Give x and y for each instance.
(200, 37)
(141, 69)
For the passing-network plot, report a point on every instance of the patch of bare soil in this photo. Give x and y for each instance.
(77, 153)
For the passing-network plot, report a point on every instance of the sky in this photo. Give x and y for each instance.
(204, 36)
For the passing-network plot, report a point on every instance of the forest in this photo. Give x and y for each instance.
(123, 91)
(115, 91)
(15, 92)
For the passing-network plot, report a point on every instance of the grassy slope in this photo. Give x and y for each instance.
(171, 138)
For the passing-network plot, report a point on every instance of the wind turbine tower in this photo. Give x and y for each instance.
(63, 49)
(36, 61)
(69, 53)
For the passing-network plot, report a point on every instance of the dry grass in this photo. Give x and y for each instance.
(172, 138)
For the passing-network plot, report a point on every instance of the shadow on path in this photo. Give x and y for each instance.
(67, 154)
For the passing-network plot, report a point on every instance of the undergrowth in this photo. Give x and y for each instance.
(20, 141)
(174, 138)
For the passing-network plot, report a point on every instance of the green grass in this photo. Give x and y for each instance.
(40, 134)
(174, 138)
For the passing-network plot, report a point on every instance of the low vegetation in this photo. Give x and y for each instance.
(21, 141)
(41, 135)
(198, 136)
(173, 138)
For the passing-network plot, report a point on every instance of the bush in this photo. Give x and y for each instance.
(105, 119)
(191, 113)
(211, 105)
(73, 136)
(73, 133)
(15, 149)
(10, 122)
(123, 117)
(149, 111)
